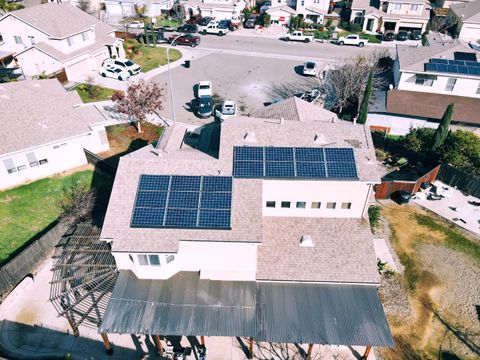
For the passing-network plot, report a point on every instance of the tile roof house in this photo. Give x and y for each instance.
(220, 10)
(47, 133)
(51, 37)
(467, 19)
(378, 16)
(426, 80)
(207, 243)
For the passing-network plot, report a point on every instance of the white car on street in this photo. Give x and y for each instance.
(204, 88)
(228, 110)
(135, 25)
(127, 64)
(310, 68)
(115, 72)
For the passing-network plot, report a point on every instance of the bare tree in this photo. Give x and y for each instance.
(76, 201)
(140, 100)
(348, 80)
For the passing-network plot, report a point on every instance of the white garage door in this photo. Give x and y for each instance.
(78, 70)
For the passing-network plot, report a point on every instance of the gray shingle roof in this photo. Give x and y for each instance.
(295, 109)
(41, 111)
(469, 12)
(60, 20)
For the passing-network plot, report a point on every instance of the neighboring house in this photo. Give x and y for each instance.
(426, 80)
(378, 16)
(280, 15)
(227, 9)
(44, 131)
(467, 19)
(51, 37)
(267, 240)
(312, 11)
(126, 8)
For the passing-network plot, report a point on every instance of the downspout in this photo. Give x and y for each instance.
(365, 206)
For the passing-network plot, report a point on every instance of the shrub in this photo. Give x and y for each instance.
(355, 28)
(345, 25)
(374, 213)
(331, 28)
(266, 20)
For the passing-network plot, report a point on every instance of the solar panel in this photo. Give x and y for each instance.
(248, 169)
(439, 61)
(311, 169)
(452, 69)
(248, 153)
(430, 67)
(469, 56)
(154, 182)
(279, 154)
(341, 170)
(473, 70)
(279, 169)
(456, 62)
(462, 65)
(442, 68)
(182, 200)
(472, 63)
(309, 154)
(339, 154)
(462, 69)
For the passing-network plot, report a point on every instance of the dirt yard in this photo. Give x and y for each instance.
(433, 306)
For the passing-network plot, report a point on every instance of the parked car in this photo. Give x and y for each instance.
(298, 36)
(185, 39)
(225, 24)
(126, 64)
(188, 29)
(351, 39)
(213, 28)
(204, 21)
(402, 35)
(388, 36)
(416, 35)
(136, 25)
(250, 22)
(205, 106)
(193, 20)
(228, 110)
(115, 72)
(204, 88)
(265, 6)
(310, 68)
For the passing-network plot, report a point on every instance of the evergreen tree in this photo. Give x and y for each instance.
(442, 131)
(362, 116)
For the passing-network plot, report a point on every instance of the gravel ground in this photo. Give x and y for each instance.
(394, 298)
(461, 278)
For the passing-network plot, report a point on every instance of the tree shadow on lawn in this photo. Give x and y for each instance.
(281, 91)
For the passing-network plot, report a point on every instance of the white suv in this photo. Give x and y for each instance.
(213, 28)
(204, 88)
(115, 72)
(127, 64)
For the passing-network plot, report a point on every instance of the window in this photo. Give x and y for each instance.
(316, 205)
(32, 40)
(21, 167)
(285, 204)
(85, 36)
(170, 258)
(1, 38)
(414, 7)
(331, 205)
(450, 84)
(270, 204)
(301, 204)
(478, 89)
(32, 159)
(424, 80)
(18, 40)
(9, 166)
(43, 161)
(70, 41)
(142, 259)
(346, 205)
(59, 146)
(154, 260)
(303, 2)
(397, 6)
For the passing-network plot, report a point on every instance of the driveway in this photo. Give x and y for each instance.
(250, 81)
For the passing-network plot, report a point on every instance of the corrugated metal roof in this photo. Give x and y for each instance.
(268, 311)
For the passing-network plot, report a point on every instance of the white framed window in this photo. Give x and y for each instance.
(170, 258)
(10, 166)
(154, 260)
(301, 204)
(450, 84)
(21, 167)
(414, 7)
(70, 41)
(478, 89)
(18, 40)
(285, 204)
(32, 40)
(148, 259)
(303, 2)
(59, 146)
(271, 204)
(346, 205)
(32, 159)
(316, 205)
(397, 6)
(331, 205)
(43, 161)
(424, 80)
(85, 36)
(142, 259)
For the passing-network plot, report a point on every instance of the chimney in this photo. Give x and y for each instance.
(306, 241)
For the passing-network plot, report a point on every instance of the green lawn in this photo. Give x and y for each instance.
(103, 93)
(166, 22)
(149, 58)
(28, 209)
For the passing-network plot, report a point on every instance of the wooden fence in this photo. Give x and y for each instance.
(99, 162)
(460, 179)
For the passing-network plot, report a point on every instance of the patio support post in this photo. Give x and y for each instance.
(250, 348)
(202, 340)
(309, 351)
(74, 327)
(107, 344)
(158, 344)
(367, 352)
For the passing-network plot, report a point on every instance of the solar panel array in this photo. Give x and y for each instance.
(290, 162)
(454, 66)
(173, 201)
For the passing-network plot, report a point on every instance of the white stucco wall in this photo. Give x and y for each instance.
(319, 4)
(276, 15)
(34, 62)
(405, 9)
(463, 87)
(354, 192)
(470, 32)
(214, 261)
(61, 155)
(10, 27)
(77, 42)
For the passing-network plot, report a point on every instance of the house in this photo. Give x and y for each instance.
(378, 16)
(220, 10)
(53, 37)
(280, 15)
(426, 80)
(44, 131)
(125, 8)
(266, 240)
(467, 19)
(312, 11)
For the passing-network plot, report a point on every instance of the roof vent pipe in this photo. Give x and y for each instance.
(282, 120)
(306, 241)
